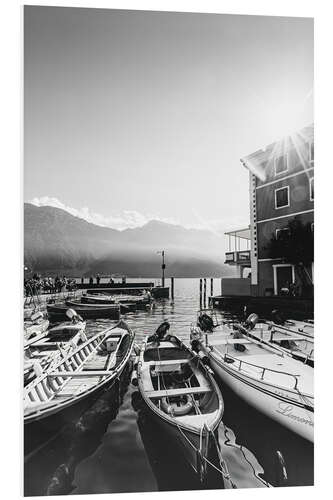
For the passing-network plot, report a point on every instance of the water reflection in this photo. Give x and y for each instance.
(116, 447)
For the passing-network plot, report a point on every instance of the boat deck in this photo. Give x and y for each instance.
(263, 364)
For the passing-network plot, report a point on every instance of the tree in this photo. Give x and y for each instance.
(295, 245)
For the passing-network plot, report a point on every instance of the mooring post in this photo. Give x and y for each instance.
(200, 292)
(172, 288)
(205, 291)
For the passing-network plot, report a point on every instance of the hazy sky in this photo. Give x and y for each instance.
(136, 115)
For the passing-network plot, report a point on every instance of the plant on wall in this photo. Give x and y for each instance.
(295, 245)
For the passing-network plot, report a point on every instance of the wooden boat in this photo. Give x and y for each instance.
(123, 308)
(35, 324)
(289, 342)
(182, 395)
(87, 370)
(275, 384)
(96, 299)
(57, 312)
(140, 301)
(43, 350)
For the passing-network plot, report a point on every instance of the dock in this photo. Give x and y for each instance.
(295, 307)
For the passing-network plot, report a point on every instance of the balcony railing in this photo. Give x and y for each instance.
(240, 257)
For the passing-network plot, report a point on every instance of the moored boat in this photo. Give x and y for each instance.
(275, 384)
(35, 324)
(50, 346)
(56, 396)
(291, 343)
(57, 312)
(182, 396)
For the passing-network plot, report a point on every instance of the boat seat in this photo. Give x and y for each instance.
(177, 392)
(169, 362)
(289, 337)
(230, 341)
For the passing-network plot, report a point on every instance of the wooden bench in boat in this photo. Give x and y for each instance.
(177, 392)
(80, 373)
(168, 362)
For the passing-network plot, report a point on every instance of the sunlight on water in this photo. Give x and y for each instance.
(115, 447)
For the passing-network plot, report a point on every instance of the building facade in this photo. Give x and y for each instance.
(281, 181)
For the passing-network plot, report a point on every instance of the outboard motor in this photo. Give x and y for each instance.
(160, 333)
(205, 322)
(278, 317)
(162, 330)
(251, 321)
(73, 315)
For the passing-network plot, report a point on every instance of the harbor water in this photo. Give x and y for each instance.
(115, 447)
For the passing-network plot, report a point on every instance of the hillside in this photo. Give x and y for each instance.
(57, 242)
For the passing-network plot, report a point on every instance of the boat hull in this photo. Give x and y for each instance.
(186, 442)
(39, 430)
(59, 313)
(274, 404)
(51, 418)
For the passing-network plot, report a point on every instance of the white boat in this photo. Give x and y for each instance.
(275, 384)
(182, 396)
(289, 342)
(306, 328)
(45, 349)
(84, 371)
(35, 324)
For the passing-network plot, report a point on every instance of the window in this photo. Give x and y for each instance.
(282, 197)
(311, 152)
(281, 164)
(282, 233)
(311, 189)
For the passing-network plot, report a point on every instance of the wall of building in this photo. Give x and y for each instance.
(266, 230)
(299, 196)
(295, 155)
(236, 286)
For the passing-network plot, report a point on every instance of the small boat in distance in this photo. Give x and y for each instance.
(57, 312)
(181, 395)
(273, 383)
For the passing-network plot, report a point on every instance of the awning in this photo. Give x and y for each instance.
(244, 233)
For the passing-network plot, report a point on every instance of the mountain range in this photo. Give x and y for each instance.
(56, 242)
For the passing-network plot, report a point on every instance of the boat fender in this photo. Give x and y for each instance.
(37, 315)
(134, 378)
(239, 347)
(136, 349)
(83, 336)
(175, 410)
(37, 367)
(195, 345)
(71, 313)
(203, 358)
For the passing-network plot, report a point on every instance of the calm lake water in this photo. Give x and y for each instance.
(115, 447)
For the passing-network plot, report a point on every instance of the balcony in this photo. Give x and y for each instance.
(240, 257)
